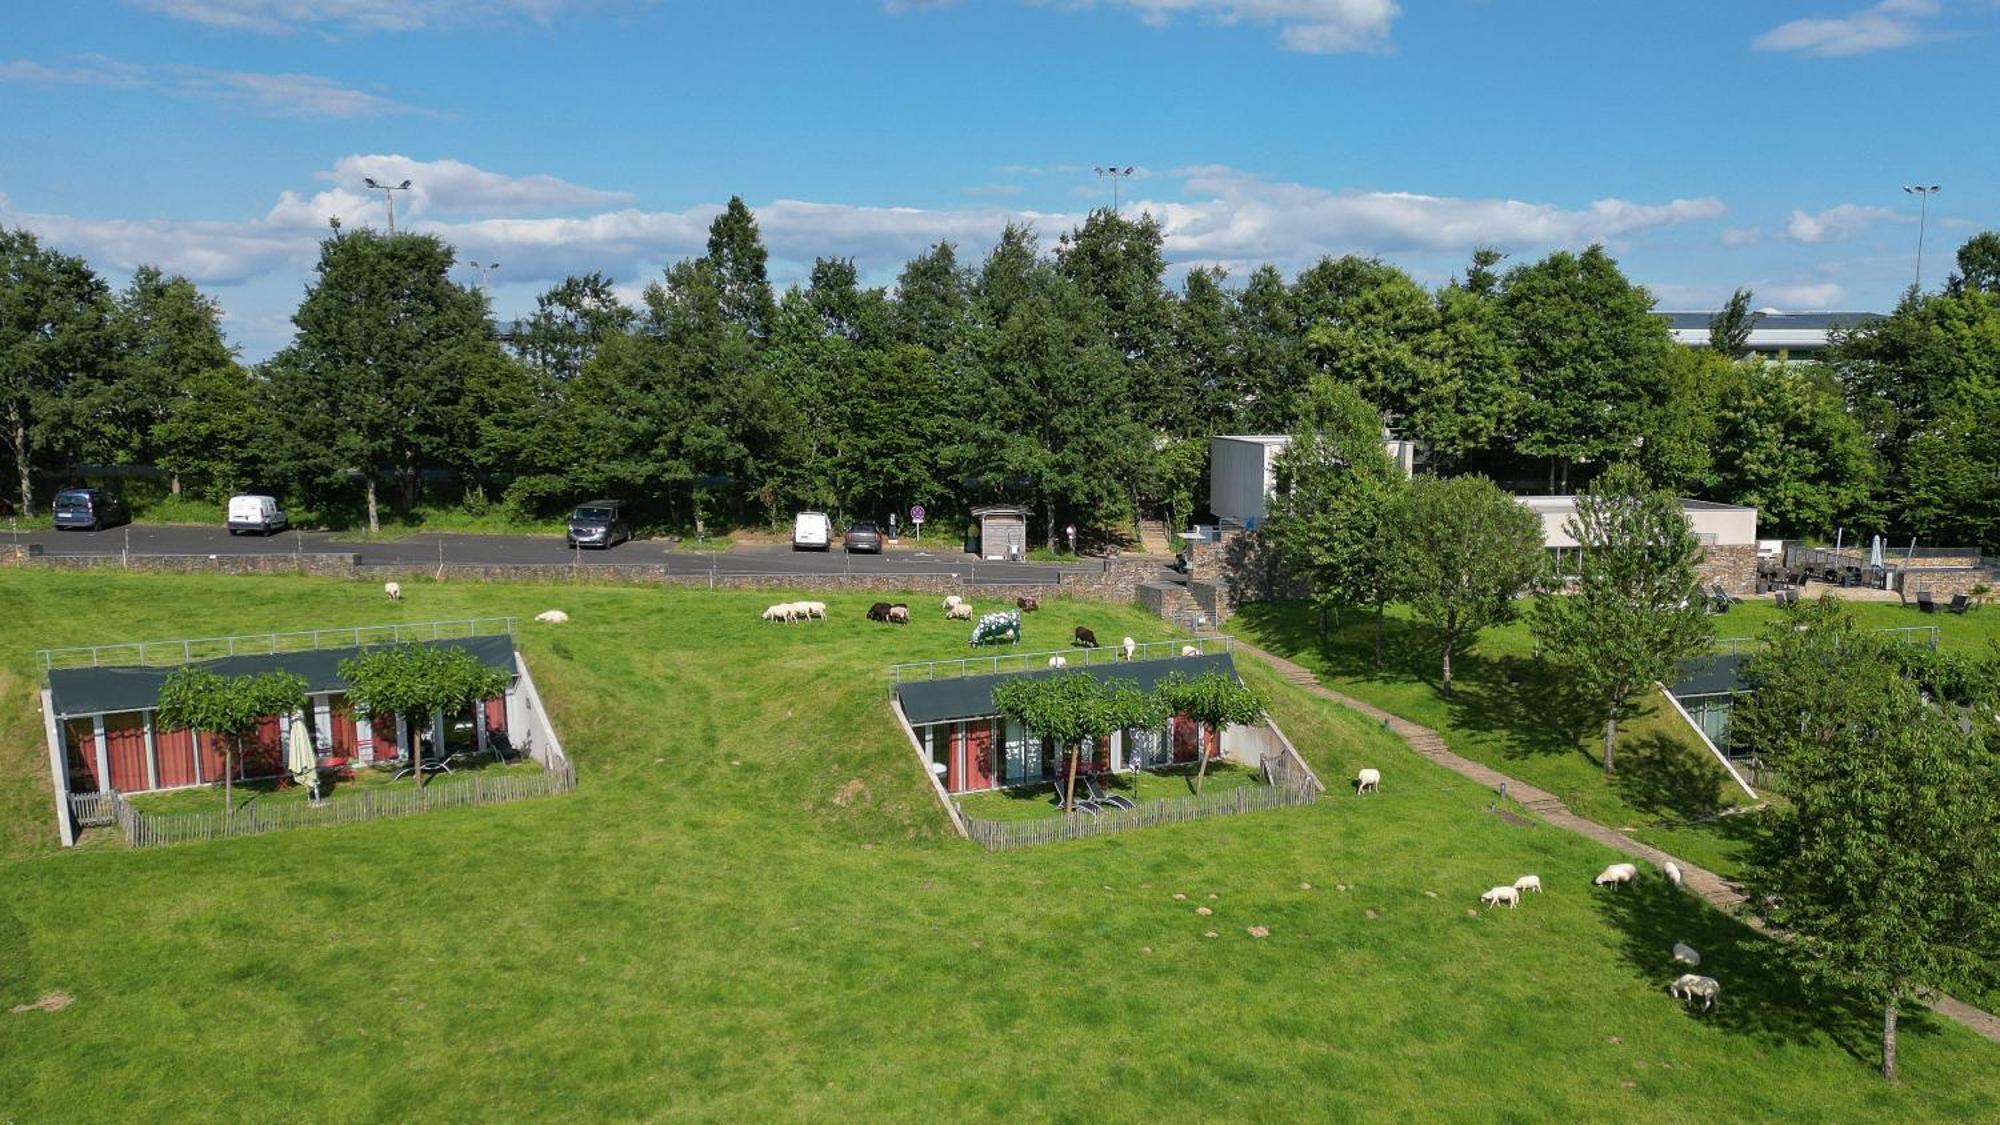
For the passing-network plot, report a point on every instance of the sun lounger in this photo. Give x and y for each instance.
(1960, 603)
(1925, 603)
(1097, 794)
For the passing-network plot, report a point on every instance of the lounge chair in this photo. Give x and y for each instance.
(1723, 594)
(1960, 603)
(1925, 603)
(1083, 802)
(1097, 794)
(434, 762)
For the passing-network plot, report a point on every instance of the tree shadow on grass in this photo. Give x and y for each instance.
(1762, 995)
(1520, 698)
(1667, 777)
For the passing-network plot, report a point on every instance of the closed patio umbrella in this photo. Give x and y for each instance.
(1875, 551)
(300, 760)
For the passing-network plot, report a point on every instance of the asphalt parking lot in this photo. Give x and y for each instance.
(503, 550)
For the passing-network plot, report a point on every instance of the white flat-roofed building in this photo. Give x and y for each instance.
(1243, 473)
(1795, 336)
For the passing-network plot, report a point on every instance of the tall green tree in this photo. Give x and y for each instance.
(1369, 324)
(1464, 550)
(1271, 370)
(571, 321)
(55, 338)
(933, 299)
(1978, 264)
(1729, 329)
(1635, 610)
(1467, 395)
(170, 345)
(1213, 700)
(211, 437)
(1794, 453)
(1880, 865)
(1119, 264)
(737, 257)
(195, 698)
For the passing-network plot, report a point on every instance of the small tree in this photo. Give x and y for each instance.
(1074, 708)
(1729, 329)
(1211, 699)
(416, 681)
(193, 698)
(1462, 550)
(1881, 865)
(1636, 611)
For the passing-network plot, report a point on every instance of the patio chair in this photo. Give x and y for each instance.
(1723, 594)
(1097, 794)
(1925, 603)
(1960, 603)
(432, 762)
(1083, 802)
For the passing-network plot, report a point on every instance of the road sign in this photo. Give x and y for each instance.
(916, 513)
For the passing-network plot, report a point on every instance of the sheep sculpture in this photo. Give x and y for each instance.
(1085, 638)
(394, 590)
(1003, 627)
(1616, 875)
(1672, 871)
(961, 611)
(1689, 987)
(1058, 662)
(552, 617)
(1368, 780)
(1685, 954)
(1529, 883)
(1130, 646)
(1498, 895)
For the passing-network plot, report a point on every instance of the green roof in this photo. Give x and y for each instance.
(96, 691)
(971, 697)
(1709, 675)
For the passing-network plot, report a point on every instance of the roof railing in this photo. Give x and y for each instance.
(166, 654)
(1915, 634)
(1016, 661)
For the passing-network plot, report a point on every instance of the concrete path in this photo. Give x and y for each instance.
(1723, 894)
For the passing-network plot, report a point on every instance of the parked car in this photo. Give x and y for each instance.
(90, 508)
(260, 514)
(600, 523)
(812, 531)
(863, 535)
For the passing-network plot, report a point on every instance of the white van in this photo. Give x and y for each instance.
(812, 531)
(260, 514)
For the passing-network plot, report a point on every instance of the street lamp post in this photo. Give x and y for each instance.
(1116, 173)
(484, 269)
(1923, 219)
(388, 192)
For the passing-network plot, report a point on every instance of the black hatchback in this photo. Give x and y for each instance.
(600, 523)
(92, 509)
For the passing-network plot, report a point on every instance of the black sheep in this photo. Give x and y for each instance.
(1085, 638)
(1028, 604)
(879, 612)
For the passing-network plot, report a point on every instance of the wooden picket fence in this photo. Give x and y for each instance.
(148, 830)
(995, 835)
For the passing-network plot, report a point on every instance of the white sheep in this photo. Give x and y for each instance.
(1672, 871)
(953, 601)
(1689, 986)
(1529, 883)
(1498, 895)
(1130, 646)
(1058, 662)
(394, 590)
(959, 612)
(899, 615)
(1367, 780)
(811, 609)
(780, 612)
(1616, 875)
(1190, 650)
(552, 617)
(1685, 954)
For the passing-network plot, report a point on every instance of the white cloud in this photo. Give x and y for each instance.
(1805, 295)
(455, 186)
(356, 16)
(1885, 26)
(1835, 224)
(1742, 236)
(1316, 27)
(274, 95)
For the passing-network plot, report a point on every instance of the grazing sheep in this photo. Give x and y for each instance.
(1672, 871)
(1058, 662)
(1529, 883)
(879, 611)
(394, 590)
(780, 612)
(1616, 875)
(1130, 646)
(899, 615)
(552, 617)
(1190, 650)
(1366, 780)
(811, 609)
(1689, 986)
(960, 612)
(1685, 954)
(1085, 638)
(1028, 604)
(1498, 895)
(952, 601)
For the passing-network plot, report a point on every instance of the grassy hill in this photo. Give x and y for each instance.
(721, 923)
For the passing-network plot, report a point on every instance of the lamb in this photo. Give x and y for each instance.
(1616, 875)
(1689, 986)
(1685, 954)
(1498, 895)
(394, 590)
(1130, 646)
(953, 601)
(1058, 662)
(552, 617)
(899, 615)
(959, 612)
(1529, 883)
(879, 611)
(1366, 780)
(1028, 604)
(1673, 872)
(1190, 650)
(1085, 638)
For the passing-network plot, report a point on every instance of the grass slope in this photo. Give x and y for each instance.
(721, 925)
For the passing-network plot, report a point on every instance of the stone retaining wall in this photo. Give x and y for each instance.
(318, 565)
(1942, 583)
(1735, 567)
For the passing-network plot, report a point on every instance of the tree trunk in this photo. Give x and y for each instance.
(411, 476)
(231, 754)
(1552, 475)
(1447, 668)
(1381, 620)
(1610, 739)
(374, 513)
(17, 439)
(1322, 623)
(1200, 752)
(1889, 1036)
(1069, 789)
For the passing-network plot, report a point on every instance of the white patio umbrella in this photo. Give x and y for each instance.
(1875, 551)
(300, 760)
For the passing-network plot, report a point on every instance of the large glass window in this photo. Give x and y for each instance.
(1020, 754)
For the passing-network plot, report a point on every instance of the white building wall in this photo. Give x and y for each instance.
(1240, 477)
(1717, 526)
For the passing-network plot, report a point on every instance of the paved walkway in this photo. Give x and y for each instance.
(1723, 894)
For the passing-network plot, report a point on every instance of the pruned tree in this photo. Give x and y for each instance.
(1463, 550)
(194, 698)
(418, 681)
(1212, 699)
(1635, 610)
(1076, 709)
(1729, 329)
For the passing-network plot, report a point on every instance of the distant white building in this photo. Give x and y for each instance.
(1243, 473)
(1796, 336)
(1728, 535)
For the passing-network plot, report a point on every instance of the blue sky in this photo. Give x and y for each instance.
(1710, 143)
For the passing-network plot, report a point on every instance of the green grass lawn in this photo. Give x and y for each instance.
(268, 792)
(752, 908)
(1035, 802)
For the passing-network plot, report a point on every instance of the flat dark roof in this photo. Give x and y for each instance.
(1709, 675)
(971, 697)
(1802, 321)
(103, 691)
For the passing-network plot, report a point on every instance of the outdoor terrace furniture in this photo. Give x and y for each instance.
(1097, 794)
(1960, 603)
(1925, 603)
(1787, 599)
(432, 762)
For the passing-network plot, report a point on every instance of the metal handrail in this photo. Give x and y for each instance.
(1921, 634)
(1037, 661)
(162, 654)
